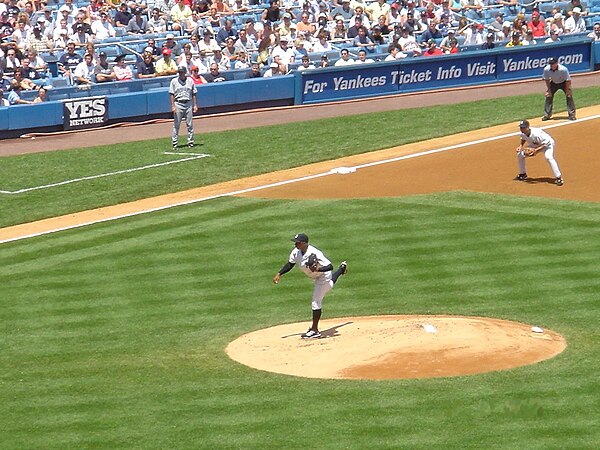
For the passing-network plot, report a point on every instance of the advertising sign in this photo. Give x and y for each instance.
(83, 113)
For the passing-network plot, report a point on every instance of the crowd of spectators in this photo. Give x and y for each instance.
(212, 37)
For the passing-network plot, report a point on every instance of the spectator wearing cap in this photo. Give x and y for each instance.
(432, 49)
(409, 43)
(595, 33)
(122, 16)
(208, 44)
(230, 51)
(569, 7)
(102, 28)
(81, 23)
(123, 70)
(166, 65)
(489, 43)
(343, 9)
(445, 42)
(84, 72)
(537, 25)
(145, 68)
(473, 34)
(496, 24)
(515, 40)
(80, 37)
(138, 24)
(68, 61)
(575, 23)
(172, 45)
(554, 37)
(283, 53)
(394, 17)
(432, 32)
(156, 22)
(556, 23)
(179, 13)
(227, 30)
(285, 27)
(103, 72)
(61, 40)
(223, 62)
(274, 70)
(272, 13)
(38, 41)
(195, 75)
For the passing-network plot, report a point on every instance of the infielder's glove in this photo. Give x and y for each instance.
(526, 151)
(312, 263)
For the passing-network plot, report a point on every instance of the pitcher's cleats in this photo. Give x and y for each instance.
(311, 334)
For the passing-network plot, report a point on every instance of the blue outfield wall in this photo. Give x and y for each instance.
(420, 74)
(322, 85)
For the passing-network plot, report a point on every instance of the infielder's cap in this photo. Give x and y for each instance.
(300, 237)
(524, 124)
(553, 60)
(182, 69)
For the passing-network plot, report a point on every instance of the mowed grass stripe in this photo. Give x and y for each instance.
(161, 296)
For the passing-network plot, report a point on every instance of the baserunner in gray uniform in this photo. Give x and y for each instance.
(557, 77)
(182, 91)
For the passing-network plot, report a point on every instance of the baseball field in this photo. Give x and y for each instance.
(114, 334)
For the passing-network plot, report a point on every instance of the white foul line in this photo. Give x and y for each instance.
(279, 183)
(109, 174)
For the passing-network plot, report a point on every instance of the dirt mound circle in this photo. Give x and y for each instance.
(396, 347)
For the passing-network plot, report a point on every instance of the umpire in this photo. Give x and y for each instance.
(182, 91)
(557, 77)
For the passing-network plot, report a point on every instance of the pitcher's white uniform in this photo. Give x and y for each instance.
(538, 137)
(322, 280)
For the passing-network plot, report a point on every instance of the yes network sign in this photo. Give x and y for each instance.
(85, 113)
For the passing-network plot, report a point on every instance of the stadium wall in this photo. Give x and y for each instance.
(143, 101)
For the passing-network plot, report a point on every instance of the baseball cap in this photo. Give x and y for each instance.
(170, 36)
(149, 50)
(451, 31)
(506, 24)
(274, 65)
(516, 34)
(524, 124)
(166, 51)
(182, 69)
(554, 31)
(577, 10)
(558, 15)
(300, 237)
(119, 57)
(535, 14)
(102, 54)
(490, 35)
(283, 38)
(553, 60)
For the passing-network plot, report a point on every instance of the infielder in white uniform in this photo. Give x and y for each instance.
(182, 92)
(536, 140)
(317, 267)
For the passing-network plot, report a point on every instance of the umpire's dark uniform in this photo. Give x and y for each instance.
(557, 77)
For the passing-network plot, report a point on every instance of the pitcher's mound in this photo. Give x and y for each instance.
(388, 347)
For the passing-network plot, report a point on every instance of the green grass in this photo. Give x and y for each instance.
(113, 336)
(236, 154)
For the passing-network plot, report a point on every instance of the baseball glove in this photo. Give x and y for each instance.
(312, 263)
(528, 152)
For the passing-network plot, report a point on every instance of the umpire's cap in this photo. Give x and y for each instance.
(524, 124)
(300, 237)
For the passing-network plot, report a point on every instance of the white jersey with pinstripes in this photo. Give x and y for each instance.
(296, 257)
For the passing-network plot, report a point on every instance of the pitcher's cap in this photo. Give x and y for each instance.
(300, 237)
